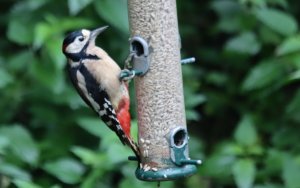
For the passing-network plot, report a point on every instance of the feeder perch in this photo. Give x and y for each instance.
(155, 50)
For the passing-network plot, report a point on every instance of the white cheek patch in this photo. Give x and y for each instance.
(76, 46)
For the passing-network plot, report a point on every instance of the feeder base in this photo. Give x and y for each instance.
(166, 174)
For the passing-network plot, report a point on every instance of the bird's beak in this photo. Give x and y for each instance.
(96, 32)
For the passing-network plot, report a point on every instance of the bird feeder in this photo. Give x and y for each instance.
(162, 133)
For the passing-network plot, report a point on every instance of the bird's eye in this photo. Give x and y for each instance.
(80, 39)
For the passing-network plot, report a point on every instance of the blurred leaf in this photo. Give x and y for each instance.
(268, 36)
(263, 75)
(13, 171)
(4, 142)
(282, 3)
(118, 153)
(28, 5)
(293, 76)
(232, 149)
(21, 143)
(291, 173)
(42, 32)
(75, 6)
(257, 3)
(66, 169)
(192, 114)
(93, 178)
(268, 185)
(19, 32)
(48, 76)
(132, 183)
(25, 184)
(46, 31)
(5, 78)
(245, 132)
(55, 53)
(89, 157)
(96, 126)
(244, 173)
(218, 166)
(195, 100)
(245, 43)
(274, 161)
(277, 20)
(114, 12)
(20, 61)
(217, 78)
(290, 45)
(255, 150)
(93, 125)
(293, 108)
(226, 8)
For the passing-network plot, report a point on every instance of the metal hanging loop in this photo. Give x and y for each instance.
(137, 62)
(139, 49)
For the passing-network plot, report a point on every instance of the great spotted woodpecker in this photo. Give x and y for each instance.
(96, 78)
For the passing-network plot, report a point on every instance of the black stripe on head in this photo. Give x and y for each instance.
(71, 37)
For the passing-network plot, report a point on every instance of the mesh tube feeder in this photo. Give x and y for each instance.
(155, 49)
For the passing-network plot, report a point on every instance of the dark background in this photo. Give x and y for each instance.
(242, 97)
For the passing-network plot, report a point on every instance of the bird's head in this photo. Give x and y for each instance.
(77, 42)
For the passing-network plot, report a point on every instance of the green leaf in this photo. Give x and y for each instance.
(13, 171)
(89, 157)
(114, 12)
(290, 45)
(195, 100)
(28, 5)
(4, 143)
(42, 31)
(48, 76)
(263, 75)
(20, 61)
(245, 43)
(47, 31)
(75, 6)
(118, 153)
(5, 78)
(218, 166)
(19, 32)
(291, 173)
(93, 178)
(277, 20)
(21, 143)
(293, 108)
(232, 149)
(54, 50)
(268, 185)
(93, 125)
(293, 76)
(282, 3)
(245, 132)
(192, 114)
(244, 173)
(66, 169)
(25, 184)
(226, 8)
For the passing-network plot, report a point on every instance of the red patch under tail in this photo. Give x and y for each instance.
(123, 115)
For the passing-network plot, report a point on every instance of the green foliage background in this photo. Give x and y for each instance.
(242, 96)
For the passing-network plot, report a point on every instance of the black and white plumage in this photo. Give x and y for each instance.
(96, 78)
